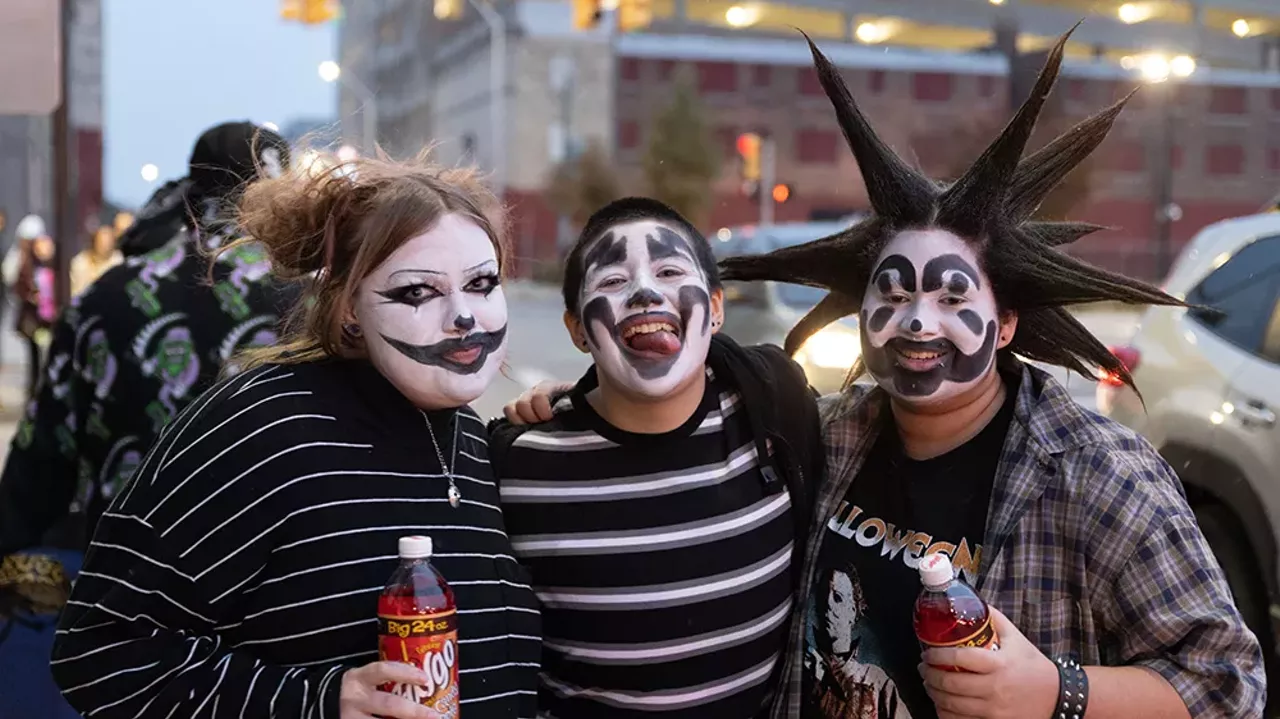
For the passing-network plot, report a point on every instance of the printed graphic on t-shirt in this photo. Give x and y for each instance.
(841, 654)
(852, 671)
(905, 543)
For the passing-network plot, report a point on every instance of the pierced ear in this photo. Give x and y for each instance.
(717, 309)
(1008, 327)
(576, 332)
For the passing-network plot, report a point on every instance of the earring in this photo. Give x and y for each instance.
(353, 330)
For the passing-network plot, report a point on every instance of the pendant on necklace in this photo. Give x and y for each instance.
(455, 497)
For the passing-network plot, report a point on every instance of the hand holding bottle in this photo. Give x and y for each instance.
(360, 697)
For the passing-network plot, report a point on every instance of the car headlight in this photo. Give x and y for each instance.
(830, 348)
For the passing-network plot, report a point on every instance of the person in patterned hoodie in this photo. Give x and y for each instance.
(144, 340)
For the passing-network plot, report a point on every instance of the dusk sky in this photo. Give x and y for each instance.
(176, 67)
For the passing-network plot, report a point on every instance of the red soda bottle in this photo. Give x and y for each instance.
(418, 625)
(948, 612)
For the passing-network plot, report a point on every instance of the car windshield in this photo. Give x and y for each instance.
(800, 297)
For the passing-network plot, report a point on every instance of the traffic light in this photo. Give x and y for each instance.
(634, 14)
(586, 14)
(310, 12)
(781, 193)
(748, 146)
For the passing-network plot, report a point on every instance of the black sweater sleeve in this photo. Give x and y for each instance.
(139, 635)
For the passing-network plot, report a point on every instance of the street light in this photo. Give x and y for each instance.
(150, 172)
(330, 71)
(1156, 69)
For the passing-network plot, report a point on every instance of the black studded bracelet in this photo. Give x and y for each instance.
(1073, 690)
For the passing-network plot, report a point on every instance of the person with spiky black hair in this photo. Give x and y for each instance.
(1071, 526)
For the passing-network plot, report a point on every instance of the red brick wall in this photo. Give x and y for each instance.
(1225, 153)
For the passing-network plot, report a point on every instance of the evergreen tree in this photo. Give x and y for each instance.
(681, 159)
(583, 184)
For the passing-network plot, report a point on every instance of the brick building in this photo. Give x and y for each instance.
(933, 96)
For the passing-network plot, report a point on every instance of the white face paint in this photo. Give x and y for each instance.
(930, 325)
(646, 308)
(433, 316)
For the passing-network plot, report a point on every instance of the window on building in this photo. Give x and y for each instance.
(875, 81)
(629, 69)
(814, 146)
(1228, 100)
(1124, 156)
(1224, 160)
(469, 145)
(1077, 89)
(1275, 100)
(986, 86)
(1273, 159)
(666, 69)
(931, 86)
(1242, 294)
(717, 77)
(628, 134)
(807, 80)
(761, 75)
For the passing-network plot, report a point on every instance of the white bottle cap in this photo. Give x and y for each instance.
(935, 570)
(415, 547)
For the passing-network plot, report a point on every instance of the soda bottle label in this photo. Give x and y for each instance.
(984, 638)
(429, 642)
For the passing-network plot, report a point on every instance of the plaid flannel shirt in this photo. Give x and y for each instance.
(1090, 549)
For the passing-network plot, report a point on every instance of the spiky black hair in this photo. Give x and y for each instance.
(990, 206)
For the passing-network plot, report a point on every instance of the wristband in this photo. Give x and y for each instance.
(1073, 690)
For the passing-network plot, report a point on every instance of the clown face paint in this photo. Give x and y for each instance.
(433, 316)
(929, 319)
(645, 308)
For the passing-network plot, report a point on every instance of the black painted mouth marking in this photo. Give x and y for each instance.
(598, 314)
(913, 373)
(460, 355)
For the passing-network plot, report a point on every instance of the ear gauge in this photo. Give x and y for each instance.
(352, 330)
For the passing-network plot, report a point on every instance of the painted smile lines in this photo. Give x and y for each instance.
(655, 335)
(916, 356)
(460, 355)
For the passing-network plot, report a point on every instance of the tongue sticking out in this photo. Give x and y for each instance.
(660, 342)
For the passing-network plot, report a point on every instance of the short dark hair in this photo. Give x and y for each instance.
(619, 212)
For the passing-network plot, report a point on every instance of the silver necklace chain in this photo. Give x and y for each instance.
(455, 496)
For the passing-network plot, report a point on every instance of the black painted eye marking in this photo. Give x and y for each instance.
(609, 250)
(906, 273)
(413, 295)
(484, 284)
(667, 244)
(935, 268)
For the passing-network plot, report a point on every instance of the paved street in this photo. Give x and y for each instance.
(539, 350)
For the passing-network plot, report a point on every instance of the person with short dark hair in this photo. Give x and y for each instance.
(660, 510)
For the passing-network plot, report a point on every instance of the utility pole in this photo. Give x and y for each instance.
(563, 73)
(1166, 212)
(768, 178)
(65, 195)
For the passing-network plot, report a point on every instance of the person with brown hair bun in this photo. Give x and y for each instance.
(238, 574)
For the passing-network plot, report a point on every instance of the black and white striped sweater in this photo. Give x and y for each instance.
(238, 574)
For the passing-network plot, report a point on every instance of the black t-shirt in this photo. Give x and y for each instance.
(861, 649)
